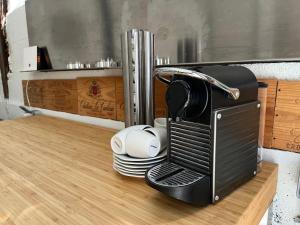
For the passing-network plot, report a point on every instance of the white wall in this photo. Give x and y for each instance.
(284, 71)
(286, 205)
(14, 4)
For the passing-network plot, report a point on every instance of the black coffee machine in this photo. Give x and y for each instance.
(212, 130)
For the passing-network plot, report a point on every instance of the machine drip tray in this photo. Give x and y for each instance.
(173, 175)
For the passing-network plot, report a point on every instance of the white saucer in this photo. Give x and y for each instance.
(138, 164)
(136, 167)
(116, 162)
(130, 174)
(129, 170)
(131, 159)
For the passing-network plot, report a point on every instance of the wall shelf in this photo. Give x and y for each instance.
(66, 70)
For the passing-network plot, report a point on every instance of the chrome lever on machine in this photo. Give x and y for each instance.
(160, 72)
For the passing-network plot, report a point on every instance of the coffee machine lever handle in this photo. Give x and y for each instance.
(163, 71)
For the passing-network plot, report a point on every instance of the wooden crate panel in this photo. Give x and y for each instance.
(270, 111)
(287, 117)
(286, 138)
(288, 93)
(97, 97)
(35, 89)
(159, 99)
(120, 99)
(57, 95)
(286, 134)
(61, 95)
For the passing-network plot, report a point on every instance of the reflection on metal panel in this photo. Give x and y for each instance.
(186, 31)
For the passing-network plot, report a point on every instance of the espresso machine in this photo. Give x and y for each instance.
(213, 122)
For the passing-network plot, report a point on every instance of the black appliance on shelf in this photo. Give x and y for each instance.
(212, 130)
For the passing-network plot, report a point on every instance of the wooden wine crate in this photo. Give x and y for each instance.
(103, 97)
(97, 97)
(286, 132)
(35, 90)
(120, 99)
(270, 111)
(57, 95)
(160, 106)
(60, 95)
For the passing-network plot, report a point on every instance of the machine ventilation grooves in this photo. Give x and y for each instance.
(190, 145)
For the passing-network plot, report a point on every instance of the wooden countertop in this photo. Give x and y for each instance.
(54, 171)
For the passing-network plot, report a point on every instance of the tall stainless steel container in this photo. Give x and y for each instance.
(137, 54)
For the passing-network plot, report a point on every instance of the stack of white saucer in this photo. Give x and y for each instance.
(138, 148)
(136, 167)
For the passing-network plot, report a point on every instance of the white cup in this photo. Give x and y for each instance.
(160, 123)
(118, 140)
(160, 134)
(142, 144)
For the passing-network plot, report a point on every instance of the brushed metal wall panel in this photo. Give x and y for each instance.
(186, 31)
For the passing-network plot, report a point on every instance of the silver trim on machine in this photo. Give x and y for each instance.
(159, 72)
(214, 156)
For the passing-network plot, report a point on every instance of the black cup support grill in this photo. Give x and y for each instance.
(171, 174)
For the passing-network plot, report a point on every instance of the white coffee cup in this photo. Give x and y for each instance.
(161, 125)
(160, 122)
(118, 140)
(160, 134)
(142, 144)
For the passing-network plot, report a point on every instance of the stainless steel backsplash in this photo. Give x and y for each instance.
(186, 31)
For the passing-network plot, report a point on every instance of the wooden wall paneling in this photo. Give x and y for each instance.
(159, 99)
(287, 117)
(60, 95)
(35, 91)
(97, 97)
(94, 96)
(120, 99)
(270, 111)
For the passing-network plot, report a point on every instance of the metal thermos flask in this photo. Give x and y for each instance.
(137, 62)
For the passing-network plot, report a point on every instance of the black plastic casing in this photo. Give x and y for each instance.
(220, 143)
(198, 193)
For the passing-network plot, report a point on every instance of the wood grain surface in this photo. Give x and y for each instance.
(120, 99)
(35, 90)
(287, 117)
(270, 111)
(57, 95)
(61, 95)
(97, 97)
(262, 97)
(54, 171)
(160, 99)
(103, 97)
